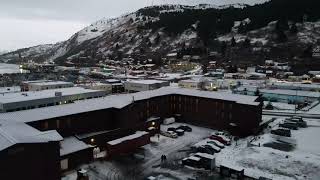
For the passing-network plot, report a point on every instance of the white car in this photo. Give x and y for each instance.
(172, 134)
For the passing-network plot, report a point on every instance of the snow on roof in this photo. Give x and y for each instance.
(284, 92)
(205, 155)
(295, 85)
(194, 158)
(15, 133)
(145, 81)
(127, 138)
(231, 166)
(47, 82)
(33, 95)
(118, 101)
(72, 144)
(10, 89)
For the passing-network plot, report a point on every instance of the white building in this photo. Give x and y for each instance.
(107, 87)
(36, 99)
(44, 85)
(189, 84)
(144, 85)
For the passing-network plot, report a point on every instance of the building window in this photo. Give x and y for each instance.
(45, 125)
(58, 124)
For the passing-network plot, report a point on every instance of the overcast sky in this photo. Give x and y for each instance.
(31, 22)
(25, 23)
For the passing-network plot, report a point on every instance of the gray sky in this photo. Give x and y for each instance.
(31, 22)
(27, 23)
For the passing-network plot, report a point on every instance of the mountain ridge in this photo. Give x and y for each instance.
(149, 32)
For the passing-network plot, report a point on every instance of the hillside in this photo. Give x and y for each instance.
(152, 32)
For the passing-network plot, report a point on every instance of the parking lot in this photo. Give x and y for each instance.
(147, 160)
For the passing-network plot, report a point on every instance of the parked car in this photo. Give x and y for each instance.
(173, 134)
(215, 142)
(185, 128)
(289, 126)
(204, 149)
(213, 147)
(221, 139)
(281, 132)
(299, 123)
(180, 132)
(170, 134)
(171, 129)
(168, 121)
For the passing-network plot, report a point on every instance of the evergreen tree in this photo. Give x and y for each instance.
(233, 42)
(246, 43)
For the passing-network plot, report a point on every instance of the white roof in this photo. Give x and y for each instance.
(144, 81)
(117, 101)
(10, 89)
(15, 133)
(72, 144)
(205, 155)
(33, 95)
(126, 138)
(47, 82)
(194, 158)
(283, 92)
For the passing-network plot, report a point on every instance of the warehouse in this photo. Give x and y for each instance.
(18, 101)
(44, 84)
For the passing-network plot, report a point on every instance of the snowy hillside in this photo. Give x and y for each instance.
(159, 30)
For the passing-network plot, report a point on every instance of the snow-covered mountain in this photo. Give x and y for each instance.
(158, 30)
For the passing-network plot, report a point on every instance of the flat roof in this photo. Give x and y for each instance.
(127, 138)
(295, 85)
(72, 144)
(33, 95)
(46, 82)
(283, 92)
(118, 101)
(147, 81)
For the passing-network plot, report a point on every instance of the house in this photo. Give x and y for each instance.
(144, 85)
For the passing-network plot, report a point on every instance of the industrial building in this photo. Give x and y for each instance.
(144, 85)
(44, 85)
(123, 121)
(18, 101)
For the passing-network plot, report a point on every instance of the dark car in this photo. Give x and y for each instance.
(289, 126)
(299, 123)
(185, 128)
(203, 149)
(180, 132)
(281, 132)
(171, 129)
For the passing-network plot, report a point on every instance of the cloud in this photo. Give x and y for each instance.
(19, 33)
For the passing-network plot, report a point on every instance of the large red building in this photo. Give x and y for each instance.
(97, 121)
